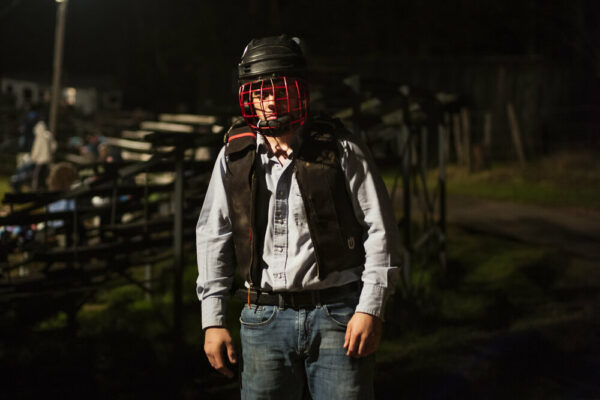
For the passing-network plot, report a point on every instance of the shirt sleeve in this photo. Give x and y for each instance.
(214, 249)
(374, 211)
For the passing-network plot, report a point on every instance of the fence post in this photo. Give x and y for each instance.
(406, 173)
(457, 139)
(466, 136)
(442, 184)
(515, 133)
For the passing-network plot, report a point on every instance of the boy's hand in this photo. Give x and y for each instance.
(217, 342)
(362, 335)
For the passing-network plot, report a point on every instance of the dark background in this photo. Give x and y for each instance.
(526, 325)
(169, 54)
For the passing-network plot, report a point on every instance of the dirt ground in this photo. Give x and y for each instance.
(575, 231)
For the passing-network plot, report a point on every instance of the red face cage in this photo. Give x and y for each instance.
(275, 104)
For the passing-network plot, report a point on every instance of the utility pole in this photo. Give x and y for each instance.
(59, 36)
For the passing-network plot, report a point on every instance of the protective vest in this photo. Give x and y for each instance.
(336, 234)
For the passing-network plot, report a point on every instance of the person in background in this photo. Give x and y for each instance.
(42, 153)
(60, 179)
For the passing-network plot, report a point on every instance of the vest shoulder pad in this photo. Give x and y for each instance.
(325, 128)
(239, 138)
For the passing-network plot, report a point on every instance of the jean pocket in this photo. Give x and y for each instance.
(257, 316)
(339, 313)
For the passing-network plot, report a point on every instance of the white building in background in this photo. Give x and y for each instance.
(85, 94)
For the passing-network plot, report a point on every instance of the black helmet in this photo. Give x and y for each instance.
(272, 56)
(273, 93)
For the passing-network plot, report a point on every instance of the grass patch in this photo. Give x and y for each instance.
(522, 191)
(4, 186)
(490, 284)
(502, 315)
(560, 180)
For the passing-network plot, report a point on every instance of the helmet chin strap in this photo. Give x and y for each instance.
(274, 127)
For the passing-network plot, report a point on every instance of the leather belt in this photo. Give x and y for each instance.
(304, 299)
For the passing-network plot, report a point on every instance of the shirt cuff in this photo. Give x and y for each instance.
(213, 312)
(372, 300)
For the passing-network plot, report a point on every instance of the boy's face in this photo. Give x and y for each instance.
(271, 99)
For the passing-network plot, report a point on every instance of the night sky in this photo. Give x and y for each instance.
(165, 52)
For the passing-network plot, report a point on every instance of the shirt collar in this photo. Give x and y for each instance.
(262, 147)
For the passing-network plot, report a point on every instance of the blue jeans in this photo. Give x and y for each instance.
(287, 351)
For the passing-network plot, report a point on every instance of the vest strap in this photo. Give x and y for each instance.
(241, 135)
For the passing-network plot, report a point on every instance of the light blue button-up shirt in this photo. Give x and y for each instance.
(288, 257)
